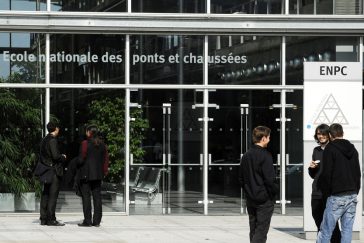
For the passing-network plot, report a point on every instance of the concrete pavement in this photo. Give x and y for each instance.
(148, 229)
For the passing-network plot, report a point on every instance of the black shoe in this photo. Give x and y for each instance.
(43, 222)
(96, 225)
(83, 224)
(55, 223)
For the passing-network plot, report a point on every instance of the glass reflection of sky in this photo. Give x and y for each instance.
(22, 5)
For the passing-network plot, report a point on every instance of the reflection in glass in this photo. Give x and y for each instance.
(169, 6)
(339, 7)
(22, 120)
(317, 49)
(23, 54)
(23, 5)
(89, 6)
(244, 60)
(87, 59)
(247, 6)
(166, 59)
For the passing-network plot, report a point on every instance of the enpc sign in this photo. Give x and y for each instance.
(332, 94)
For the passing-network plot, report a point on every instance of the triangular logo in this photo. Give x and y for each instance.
(331, 113)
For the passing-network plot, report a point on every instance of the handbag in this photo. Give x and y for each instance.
(44, 173)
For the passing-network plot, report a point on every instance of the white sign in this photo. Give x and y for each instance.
(333, 94)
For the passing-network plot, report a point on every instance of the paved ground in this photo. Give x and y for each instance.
(148, 229)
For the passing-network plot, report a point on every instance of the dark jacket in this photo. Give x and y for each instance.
(93, 160)
(257, 175)
(315, 172)
(50, 160)
(49, 151)
(340, 171)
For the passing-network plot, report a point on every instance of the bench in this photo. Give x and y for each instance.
(146, 182)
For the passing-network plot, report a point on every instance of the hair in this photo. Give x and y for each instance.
(323, 129)
(259, 132)
(336, 130)
(95, 134)
(51, 126)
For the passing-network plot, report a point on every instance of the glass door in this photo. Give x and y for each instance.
(166, 166)
(294, 152)
(289, 159)
(234, 114)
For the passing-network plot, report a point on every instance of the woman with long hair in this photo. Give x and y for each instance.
(93, 166)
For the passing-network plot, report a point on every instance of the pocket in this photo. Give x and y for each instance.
(338, 203)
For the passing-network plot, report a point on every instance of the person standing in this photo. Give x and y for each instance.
(257, 180)
(51, 156)
(93, 166)
(339, 180)
(317, 201)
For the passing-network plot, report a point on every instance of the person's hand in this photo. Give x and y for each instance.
(313, 164)
(64, 156)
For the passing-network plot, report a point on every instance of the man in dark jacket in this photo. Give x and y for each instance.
(318, 202)
(340, 182)
(51, 156)
(257, 180)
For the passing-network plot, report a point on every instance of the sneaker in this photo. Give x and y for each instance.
(55, 223)
(96, 225)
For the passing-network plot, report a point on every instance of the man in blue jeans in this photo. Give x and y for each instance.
(340, 182)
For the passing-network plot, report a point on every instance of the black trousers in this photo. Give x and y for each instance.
(48, 200)
(318, 208)
(94, 188)
(259, 220)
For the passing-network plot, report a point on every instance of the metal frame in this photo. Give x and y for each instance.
(201, 24)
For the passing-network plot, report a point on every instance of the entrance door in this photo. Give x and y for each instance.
(294, 153)
(289, 161)
(166, 156)
(235, 114)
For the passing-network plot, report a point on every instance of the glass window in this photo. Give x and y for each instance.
(169, 6)
(76, 108)
(22, 54)
(21, 129)
(87, 59)
(89, 5)
(168, 59)
(316, 49)
(244, 60)
(247, 6)
(172, 142)
(23, 5)
(339, 7)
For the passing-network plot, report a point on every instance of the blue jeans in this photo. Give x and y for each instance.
(338, 207)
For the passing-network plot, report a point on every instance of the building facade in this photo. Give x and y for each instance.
(176, 87)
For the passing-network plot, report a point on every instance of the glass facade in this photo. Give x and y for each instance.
(166, 59)
(22, 54)
(317, 49)
(244, 60)
(176, 107)
(23, 5)
(247, 7)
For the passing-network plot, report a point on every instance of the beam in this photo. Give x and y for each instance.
(195, 24)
